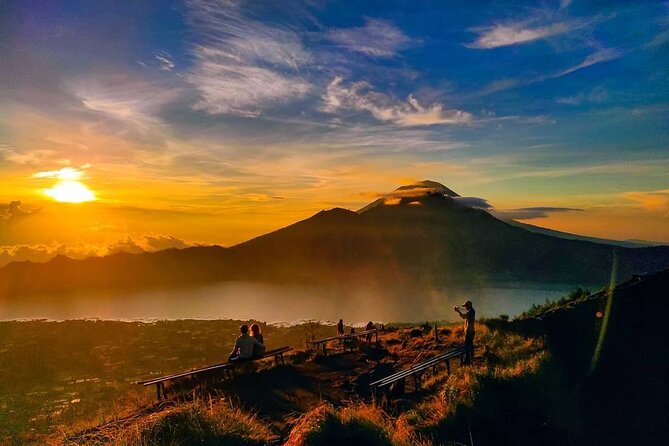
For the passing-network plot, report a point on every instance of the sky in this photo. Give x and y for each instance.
(173, 123)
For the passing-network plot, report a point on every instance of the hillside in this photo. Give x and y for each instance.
(612, 344)
(424, 236)
(534, 381)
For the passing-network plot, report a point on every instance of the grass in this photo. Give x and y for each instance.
(355, 424)
(195, 423)
(511, 395)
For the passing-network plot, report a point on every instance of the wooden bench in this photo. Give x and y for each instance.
(417, 369)
(346, 339)
(224, 368)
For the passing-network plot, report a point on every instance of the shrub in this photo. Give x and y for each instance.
(360, 425)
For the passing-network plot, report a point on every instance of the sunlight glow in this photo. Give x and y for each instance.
(69, 191)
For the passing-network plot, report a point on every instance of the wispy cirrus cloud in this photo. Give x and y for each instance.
(599, 56)
(360, 96)
(243, 65)
(496, 36)
(376, 38)
(595, 96)
(164, 60)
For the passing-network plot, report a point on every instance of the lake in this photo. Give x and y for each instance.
(283, 303)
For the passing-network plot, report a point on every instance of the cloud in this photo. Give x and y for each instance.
(531, 213)
(595, 96)
(160, 242)
(243, 66)
(45, 252)
(129, 244)
(599, 56)
(13, 211)
(473, 202)
(359, 96)
(653, 200)
(424, 188)
(659, 39)
(376, 38)
(164, 60)
(512, 34)
(64, 174)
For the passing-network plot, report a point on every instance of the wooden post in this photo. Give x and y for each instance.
(448, 366)
(159, 387)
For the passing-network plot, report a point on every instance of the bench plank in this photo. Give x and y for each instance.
(417, 368)
(221, 366)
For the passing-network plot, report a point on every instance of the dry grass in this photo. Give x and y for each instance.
(501, 357)
(195, 423)
(506, 365)
(357, 423)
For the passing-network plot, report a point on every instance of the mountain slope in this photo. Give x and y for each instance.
(568, 236)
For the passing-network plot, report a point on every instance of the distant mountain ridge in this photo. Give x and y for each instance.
(420, 234)
(569, 236)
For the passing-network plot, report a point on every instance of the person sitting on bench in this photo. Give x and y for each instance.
(244, 346)
(257, 335)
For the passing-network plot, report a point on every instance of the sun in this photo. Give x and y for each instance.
(70, 191)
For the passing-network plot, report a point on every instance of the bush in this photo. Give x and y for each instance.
(537, 310)
(359, 425)
(195, 425)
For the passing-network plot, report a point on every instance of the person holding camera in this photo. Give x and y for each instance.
(469, 315)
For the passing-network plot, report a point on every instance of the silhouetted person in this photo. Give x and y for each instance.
(351, 341)
(369, 326)
(340, 327)
(469, 315)
(244, 346)
(257, 335)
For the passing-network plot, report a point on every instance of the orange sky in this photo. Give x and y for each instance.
(181, 126)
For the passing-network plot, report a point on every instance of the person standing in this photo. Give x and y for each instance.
(340, 327)
(469, 315)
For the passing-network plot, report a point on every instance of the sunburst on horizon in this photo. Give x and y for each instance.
(68, 189)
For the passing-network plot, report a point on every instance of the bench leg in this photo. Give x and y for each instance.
(159, 391)
(448, 366)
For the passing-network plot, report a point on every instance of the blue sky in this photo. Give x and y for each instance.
(284, 108)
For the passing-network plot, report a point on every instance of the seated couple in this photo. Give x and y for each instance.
(247, 346)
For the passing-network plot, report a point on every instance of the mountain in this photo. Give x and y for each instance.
(568, 236)
(421, 234)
